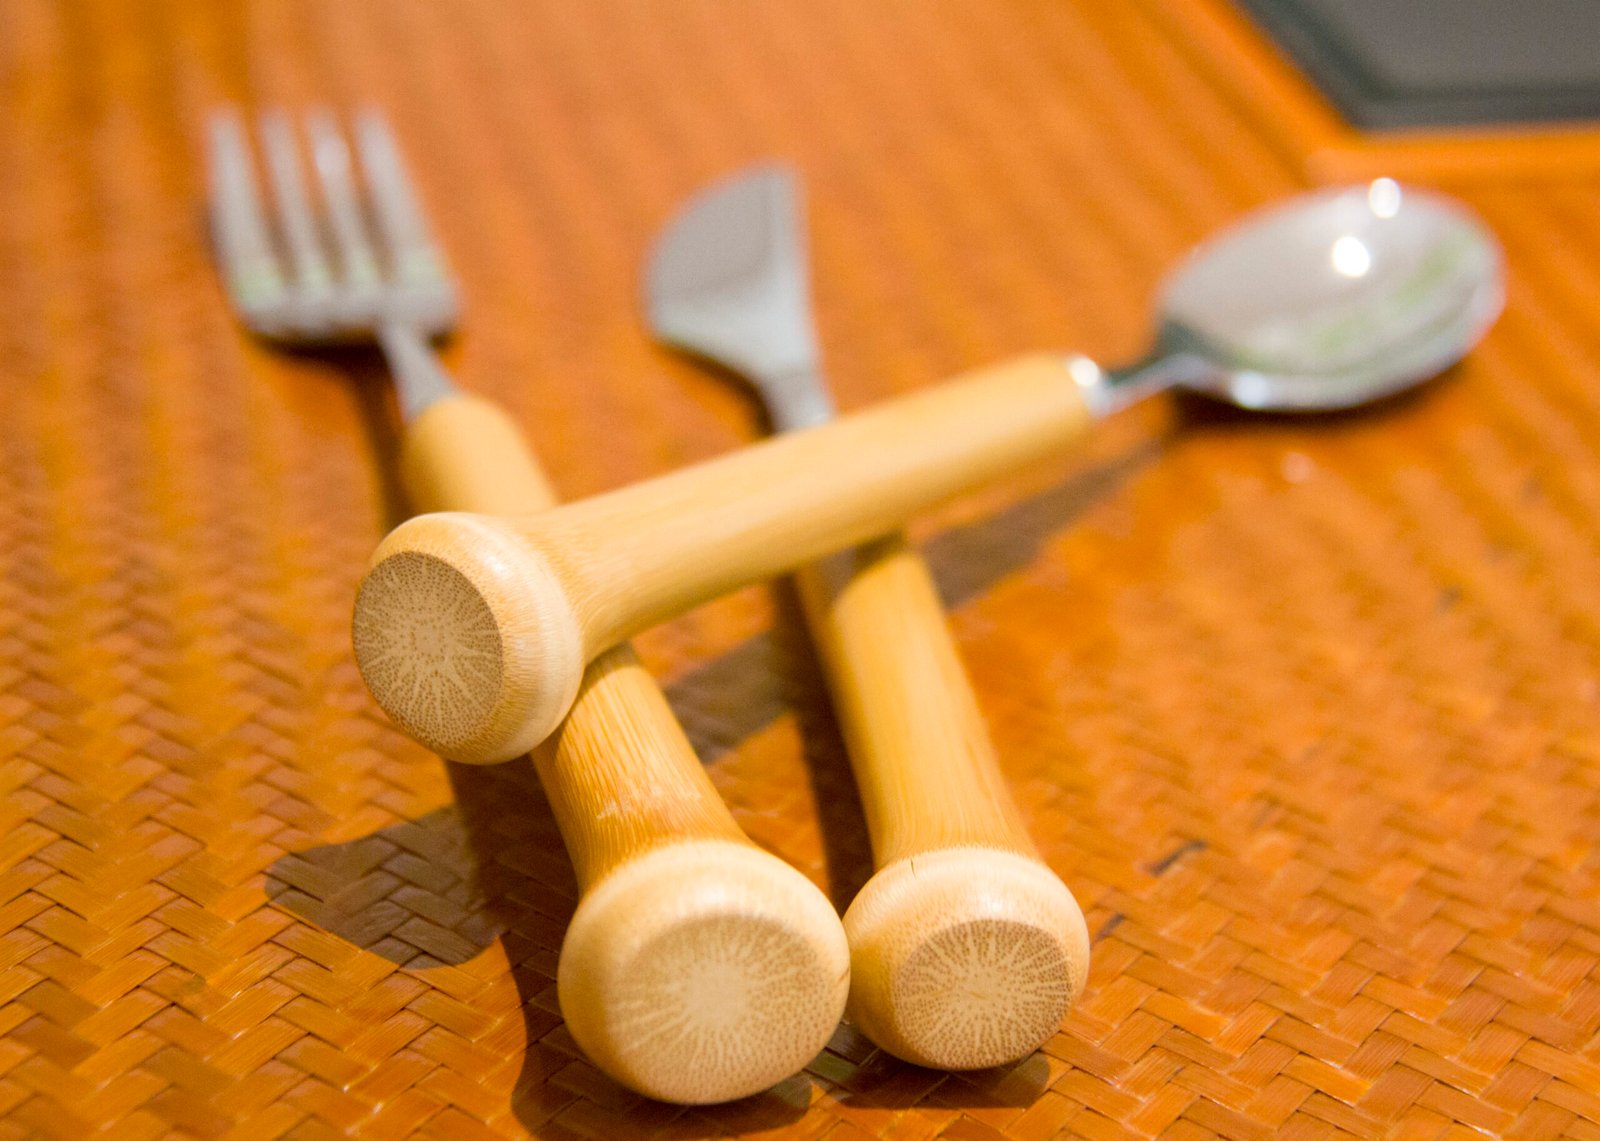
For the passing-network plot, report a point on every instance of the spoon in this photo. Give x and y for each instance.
(1328, 301)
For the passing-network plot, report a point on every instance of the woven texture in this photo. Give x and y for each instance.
(1307, 714)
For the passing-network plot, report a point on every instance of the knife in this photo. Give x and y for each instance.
(966, 950)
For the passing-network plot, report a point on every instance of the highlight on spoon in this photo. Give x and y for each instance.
(466, 639)
(964, 958)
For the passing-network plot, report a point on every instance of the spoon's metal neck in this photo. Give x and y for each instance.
(1106, 391)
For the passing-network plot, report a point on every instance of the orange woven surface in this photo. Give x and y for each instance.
(1307, 714)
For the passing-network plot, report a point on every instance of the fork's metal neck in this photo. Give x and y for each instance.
(419, 378)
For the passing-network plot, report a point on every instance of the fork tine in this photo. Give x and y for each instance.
(311, 269)
(416, 259)
(239, 228)
(330, 155)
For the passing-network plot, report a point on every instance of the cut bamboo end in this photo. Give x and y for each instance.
(458, 642)
(965, 957)
(703, 972)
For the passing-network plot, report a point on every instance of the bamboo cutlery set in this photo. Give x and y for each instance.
(697, 967)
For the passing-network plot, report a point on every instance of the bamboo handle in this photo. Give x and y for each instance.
(697, 967)
(521, 604)
(966, 951)
(463, 453)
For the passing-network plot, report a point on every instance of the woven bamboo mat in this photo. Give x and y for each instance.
(1306, 714)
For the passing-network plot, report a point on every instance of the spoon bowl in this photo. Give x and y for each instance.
(1331, 300)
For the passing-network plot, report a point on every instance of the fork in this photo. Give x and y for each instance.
(697, 967)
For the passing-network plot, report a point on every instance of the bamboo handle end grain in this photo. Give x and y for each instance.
(964, 958)
(466, 638)
(703, 971)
